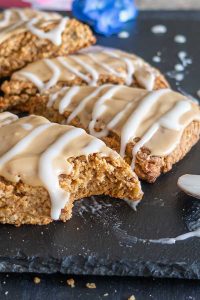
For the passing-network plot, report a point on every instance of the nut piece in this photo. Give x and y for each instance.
(91, 285)
(71, 282)
(132, 298)
(37, 280)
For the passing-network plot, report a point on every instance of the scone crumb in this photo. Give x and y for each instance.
(71, 282)
(37, 280)
(91, 285)
(132, 298)
(106, 295)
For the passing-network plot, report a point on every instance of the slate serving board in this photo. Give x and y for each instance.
(102, 237)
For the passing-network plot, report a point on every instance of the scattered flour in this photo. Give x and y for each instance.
(159, 29)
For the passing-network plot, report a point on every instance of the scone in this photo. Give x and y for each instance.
(151, 130)
(45, 166)
(13, 15)
(94, 66)
(29, 40)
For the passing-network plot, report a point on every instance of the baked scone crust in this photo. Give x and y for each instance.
(45, 167)
(25, 47)
(24, 204)
(93, 66)
(147, 167)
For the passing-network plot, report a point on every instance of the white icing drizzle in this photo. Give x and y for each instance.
(34, 79)
(73, 69)
(105, 66)
(133, 204)
(7, 118)
(98, 109)
(6, 18)
(59, 197)
(85, 65)
(129, 65)
(27, 126)
(84, 102)
(182, 237)
(190, 184)
(67, 98)
(22, 144)
(46, 161)
(89, 69)
(170, 121)
(56, 74)
(130, 127)
(54, 35)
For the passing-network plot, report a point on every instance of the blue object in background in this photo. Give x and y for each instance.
(107, 17)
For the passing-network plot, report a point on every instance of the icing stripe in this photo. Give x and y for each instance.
(21, 145)
(67, 98)
(59, 197)
(54, 35)
(98, 109)
(73, 69)
(130, 127)
(88, 68)
(84, 102)
(41, 152)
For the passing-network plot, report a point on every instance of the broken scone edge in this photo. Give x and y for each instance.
(95, 174)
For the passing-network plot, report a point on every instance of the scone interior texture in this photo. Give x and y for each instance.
(93, 66)
(151, 130)
(45, 166)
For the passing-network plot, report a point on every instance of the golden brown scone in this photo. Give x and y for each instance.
(28, 41)
(93, 66)
(45, 167)
(177, 120)
(13, 15)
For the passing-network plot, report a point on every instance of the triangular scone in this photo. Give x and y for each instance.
(45, 166)
(152, 130)
(94, 66)
(29, 40)
(12, 15)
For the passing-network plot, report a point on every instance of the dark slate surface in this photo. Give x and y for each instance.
(54, 287)
(100, 239)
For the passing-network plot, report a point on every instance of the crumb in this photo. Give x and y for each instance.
(132, 298)
(37, 280)
(71, 282)
(91, 285)
(6, 293)
(106, 294)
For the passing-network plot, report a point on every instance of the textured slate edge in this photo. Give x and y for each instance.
(99, 266)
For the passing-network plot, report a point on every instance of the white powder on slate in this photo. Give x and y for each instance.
(123, 35)
(179, 67)
(159, 29)
(156, 59)
(180, 39)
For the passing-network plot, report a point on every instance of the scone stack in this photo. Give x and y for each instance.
(124, 104)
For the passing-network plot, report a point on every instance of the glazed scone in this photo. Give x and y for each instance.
(151, 130)
(45, 166)
(94, 66)
(27, 41)
(13, 15)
